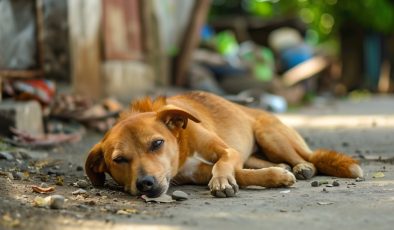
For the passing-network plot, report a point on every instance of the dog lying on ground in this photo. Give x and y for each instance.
(201, 138)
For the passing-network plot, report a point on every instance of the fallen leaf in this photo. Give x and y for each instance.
(126, 211)
(42, 190)
(161, 199)
(59, 181)
(378, 175)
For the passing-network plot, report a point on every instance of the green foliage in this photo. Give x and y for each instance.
(324, 17)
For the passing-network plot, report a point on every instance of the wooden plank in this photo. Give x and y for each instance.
(121, 30)
(304, 70)
(190, 40)
(152, 48)
(84, 29)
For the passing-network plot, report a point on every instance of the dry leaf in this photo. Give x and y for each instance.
(378, 175)
(127, 211)
(39, 189)
(161, 199)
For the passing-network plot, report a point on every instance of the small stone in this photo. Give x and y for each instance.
(335, 183)
(79, 192)
(9, 175)
(315, 183)
(17, 175)
(329, 185)
(359, 179)
(79, 168)
(44, 185)
(83, 207)
(325, 190)
(179, 195)
(6, 156)
(82, 184)
(56, 202)
(90, 202)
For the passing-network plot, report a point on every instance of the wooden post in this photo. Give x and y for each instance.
(84, 21)
(190, 40)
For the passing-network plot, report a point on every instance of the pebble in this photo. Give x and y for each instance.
(79, 192)
(329, 185)
(179, 195)
(324, 190)
(315, 183)
(44, 185)
(79, 168)
(82, 184)
(17, 175)
(359, 179)
(6, 156)
(335, 183)
(56, 202)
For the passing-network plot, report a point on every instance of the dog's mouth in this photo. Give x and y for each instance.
(157, 190)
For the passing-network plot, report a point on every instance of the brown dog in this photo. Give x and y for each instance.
(201, 138)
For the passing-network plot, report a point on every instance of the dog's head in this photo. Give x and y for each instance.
(141, 151)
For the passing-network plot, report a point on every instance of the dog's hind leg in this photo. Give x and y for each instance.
(253, 162)
(282, 144)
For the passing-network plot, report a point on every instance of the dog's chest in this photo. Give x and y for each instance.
(192, 164)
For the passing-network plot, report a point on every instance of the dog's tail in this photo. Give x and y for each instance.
(332, 163)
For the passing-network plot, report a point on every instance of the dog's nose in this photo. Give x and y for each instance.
(146, 184)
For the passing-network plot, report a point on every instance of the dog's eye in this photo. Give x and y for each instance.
(120, 159)
(156, 144)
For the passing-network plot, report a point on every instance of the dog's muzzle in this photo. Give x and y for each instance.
(147, 185)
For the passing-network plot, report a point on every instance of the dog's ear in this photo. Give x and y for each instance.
(95, 166)
(175, 117)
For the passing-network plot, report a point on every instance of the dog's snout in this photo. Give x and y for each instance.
(146, 184)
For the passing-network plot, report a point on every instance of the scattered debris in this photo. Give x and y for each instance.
(42, 190)
(48, 140)
(335, 183)
(318, 183)
(359, 179)
(127, 211)
(164, 198)
(6, 156)
(285, 191)
(378, 175)
(44, 185)
(8, 221)
(59, 180)
(53, 202)
(80, 192)
(81, 184)
(179, 195)
(7, 174)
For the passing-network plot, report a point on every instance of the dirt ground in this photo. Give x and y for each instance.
(362, 128)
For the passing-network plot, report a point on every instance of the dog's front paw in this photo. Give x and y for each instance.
(279, 177)
(223, 186)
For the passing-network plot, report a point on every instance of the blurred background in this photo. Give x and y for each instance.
(84, 59)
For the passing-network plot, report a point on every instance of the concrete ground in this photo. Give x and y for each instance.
(362, 128)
